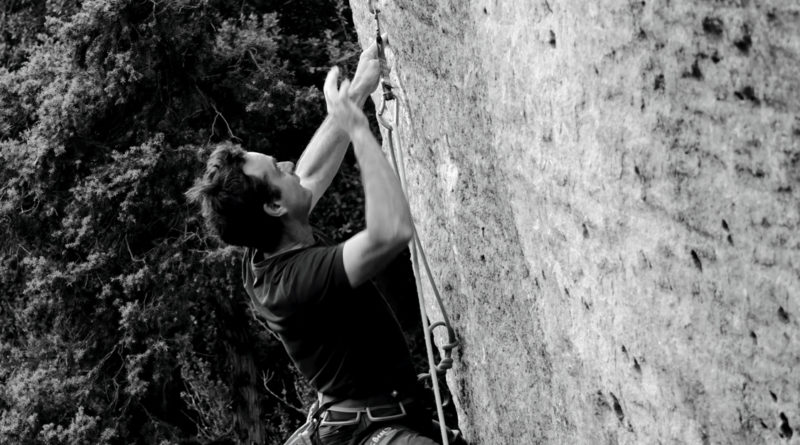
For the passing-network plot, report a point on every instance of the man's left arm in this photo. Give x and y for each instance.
(323, 156)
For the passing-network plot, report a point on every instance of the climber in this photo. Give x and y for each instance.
(336, 327)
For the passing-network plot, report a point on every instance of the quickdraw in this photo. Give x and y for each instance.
(388, 94)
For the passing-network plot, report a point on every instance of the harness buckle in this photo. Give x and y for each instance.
(357, 412)
(389, 417)
(352, 421)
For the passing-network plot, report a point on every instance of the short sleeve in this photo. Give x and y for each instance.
(316, 274)
(295, 280)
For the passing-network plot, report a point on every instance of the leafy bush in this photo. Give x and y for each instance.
(120, 321)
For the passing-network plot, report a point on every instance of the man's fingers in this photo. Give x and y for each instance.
(344, 90)
(372, 51)
(336, 98)
(329, 88)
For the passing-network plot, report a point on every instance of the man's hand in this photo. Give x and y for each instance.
(368, 73)
(346, 114)
(324, 153)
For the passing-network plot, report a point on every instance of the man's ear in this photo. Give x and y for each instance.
(274, 208)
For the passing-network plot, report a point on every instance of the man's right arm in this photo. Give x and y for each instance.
(389, 225)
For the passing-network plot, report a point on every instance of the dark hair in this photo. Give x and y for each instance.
(232, 202)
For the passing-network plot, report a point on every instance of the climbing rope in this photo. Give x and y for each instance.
(417, 251)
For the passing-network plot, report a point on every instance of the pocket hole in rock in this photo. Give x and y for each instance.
(617, 408)
(785, 429)
(696, 260)
(783, 315)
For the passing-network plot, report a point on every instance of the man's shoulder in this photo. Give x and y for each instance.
(258, 259)
(293, 277)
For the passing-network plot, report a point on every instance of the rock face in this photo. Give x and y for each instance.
(609, 194)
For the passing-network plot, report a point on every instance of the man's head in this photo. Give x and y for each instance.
(245, 195)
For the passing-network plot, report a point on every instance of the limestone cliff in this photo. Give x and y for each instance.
(608, 192)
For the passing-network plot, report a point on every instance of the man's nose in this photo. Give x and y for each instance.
(286, 166)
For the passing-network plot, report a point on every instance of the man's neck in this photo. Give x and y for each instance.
(295, 235)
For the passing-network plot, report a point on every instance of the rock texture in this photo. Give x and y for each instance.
(609, 194)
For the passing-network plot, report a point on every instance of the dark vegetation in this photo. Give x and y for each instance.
(121, 322)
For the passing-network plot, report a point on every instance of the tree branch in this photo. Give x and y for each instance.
(293, 409)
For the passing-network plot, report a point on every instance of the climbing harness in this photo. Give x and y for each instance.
(417, 252)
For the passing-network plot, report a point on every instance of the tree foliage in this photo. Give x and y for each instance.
(120, 320)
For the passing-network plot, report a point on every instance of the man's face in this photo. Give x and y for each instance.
(294, 198)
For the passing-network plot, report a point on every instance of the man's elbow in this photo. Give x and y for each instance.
(398, 237)
(405, 233)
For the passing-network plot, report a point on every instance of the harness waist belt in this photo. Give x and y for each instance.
(350, 416)
(354, 405)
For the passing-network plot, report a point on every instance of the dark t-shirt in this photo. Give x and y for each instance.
(345, 341)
